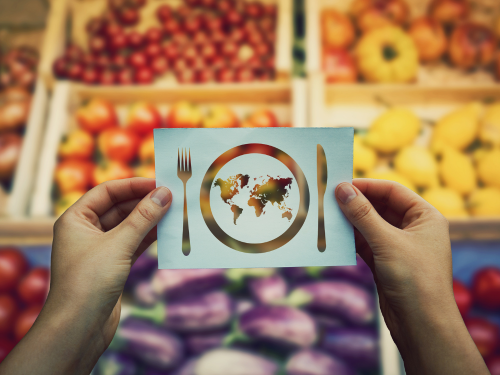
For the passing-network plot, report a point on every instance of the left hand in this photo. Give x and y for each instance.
(96, 242)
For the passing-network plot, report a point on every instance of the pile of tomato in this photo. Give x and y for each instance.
(481, 299)
(23, 291)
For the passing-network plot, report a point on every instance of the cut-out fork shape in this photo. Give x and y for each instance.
(184, 173)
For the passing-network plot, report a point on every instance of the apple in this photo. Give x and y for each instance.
(267, 24)
(339, 66)
(125, 76)
(138, 60)
(198, 64)
(135, 40)
(180, 65)
(159, 65)
(147, 149)
(127, 16)
(218, 37)
(263, 50)
(95, 26)
(220, 116)
(205, 75)
(371, 14)
(255, 37)
(472, 45)
(111, 29)
(214, 23)
(245, 75)
(233, 18)
(192, 3)
(429, 37)
(118, 61)
(73, 175)
(59, 67)
(97, 116)
(200, 38)
(208, 52)
(224, 6)
(164, 13)
(97, 45)
(171, 26)
(75, 71)
(184, 11)
(186, 76)
(107, 77)
(218, 63)
(118, 42)
(238, 36)
(171, 51)
(90, 75)
(270, 10)
(192, 24)
(153, 35)
(189, 54)
(181, 39)
(112, 170)
(10, 152)
(449, 12)
(253, 9)
(102, 61)
(210, 4)
(143, 118)
(144, 76)
(337, 30)
(119, 144)
(73, 53)
(79, 144)
(184, 115)
(226, 75)
(229, 49)
(153, 50)
(261, 119)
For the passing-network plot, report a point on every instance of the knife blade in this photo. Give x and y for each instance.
(322, 177)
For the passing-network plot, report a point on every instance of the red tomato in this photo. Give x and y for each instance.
(143, 118)
(96, 116)
(486, 288)
(6, 346)
(119, 144)
(25, 321)
(34, 287)
(8, 311)
(462, 297)
(339, 67)
(13, 266)
(77, 145)
(73, 175)
(114, 170)
(147, 150)
(494, 365)
(485, 334)
(261, 119)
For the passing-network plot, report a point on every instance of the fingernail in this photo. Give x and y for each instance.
(161, 196)
(345, 193)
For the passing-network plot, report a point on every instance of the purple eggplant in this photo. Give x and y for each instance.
(342, 299)
(142, 269)
(175, 284)
(281, 324)
(296, 274)
(268, 290)
(187, 367)
(144, 294)
(234, 362)
(315, 362)
(243, 305)
(198, 343)
(327, 320)
(360, 274)
(148, 343)
(356, 346)
(113, 363)
(206, 312)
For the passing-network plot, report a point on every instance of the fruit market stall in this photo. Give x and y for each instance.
(168, 42)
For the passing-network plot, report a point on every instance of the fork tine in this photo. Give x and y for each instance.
(178, 161)
(183, 163)
(189, 160)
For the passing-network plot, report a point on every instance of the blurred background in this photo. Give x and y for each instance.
(84, 82)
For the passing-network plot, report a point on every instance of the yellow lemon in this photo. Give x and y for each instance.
(458, 129)
(457, 171)
(485, 202)
(392, 176)
(488, 168)
(446, 201)
(489, 131)
(418, 165)
(364, 158)
(66, 201)
(396, 128)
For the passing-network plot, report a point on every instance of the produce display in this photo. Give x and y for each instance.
(17, 78)
(295, 321)
(196, 42)
(474, 302)
(382, 42)
(102, 148)
(23, 291)
(454, 164)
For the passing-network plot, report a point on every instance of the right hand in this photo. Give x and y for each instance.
(405, 241)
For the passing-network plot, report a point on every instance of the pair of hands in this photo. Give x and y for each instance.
(402, 238)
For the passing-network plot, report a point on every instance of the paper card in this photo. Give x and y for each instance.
(254, 197)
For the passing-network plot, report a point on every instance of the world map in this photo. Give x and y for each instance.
(262, 190)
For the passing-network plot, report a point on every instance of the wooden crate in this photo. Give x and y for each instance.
(67, 97)
(68, 18)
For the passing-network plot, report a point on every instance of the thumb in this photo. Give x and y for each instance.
(360, 212)
(145, 215)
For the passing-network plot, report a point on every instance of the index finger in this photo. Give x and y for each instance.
(397, 197)
(104, 196)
